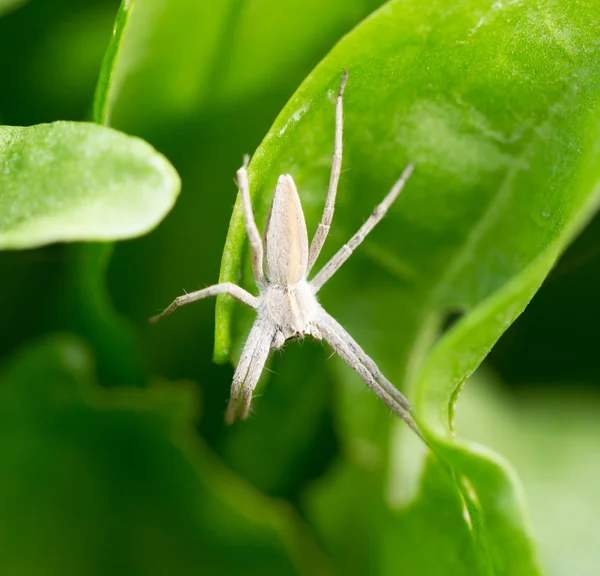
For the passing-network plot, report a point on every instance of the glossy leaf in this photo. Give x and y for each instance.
(70, 181)
(558, 466)
(498, 107)
(118, 482)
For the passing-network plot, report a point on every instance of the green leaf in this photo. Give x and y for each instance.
(387, 505)
(119, 482)
(298, 407)
(10, 5)
(498, 107)
(549, 435)
(70, 181)
(210, 54)
(110, 80)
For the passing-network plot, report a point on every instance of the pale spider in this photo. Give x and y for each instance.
(287, 305)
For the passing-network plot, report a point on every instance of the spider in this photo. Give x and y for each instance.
(287, 305)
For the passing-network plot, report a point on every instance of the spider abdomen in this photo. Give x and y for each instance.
(286, 240)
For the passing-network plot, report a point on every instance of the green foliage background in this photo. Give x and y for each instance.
(114, 458)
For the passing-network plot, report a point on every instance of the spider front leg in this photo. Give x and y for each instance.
(346, 250)
(336, 168)
(254, 238)
(225, 288)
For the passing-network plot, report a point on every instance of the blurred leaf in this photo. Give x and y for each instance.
(298, 407)
(498, 107)
(159, 57)
(66, 61)
(551, 437)
(9, 5)
(242, 47)
(118, 483)
(387, 506)
(75, 181)
(50, 55)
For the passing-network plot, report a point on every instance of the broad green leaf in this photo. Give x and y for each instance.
(550, 436)
(70, 181)
(118, 482)
(498, 107)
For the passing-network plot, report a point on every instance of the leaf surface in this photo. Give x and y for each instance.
(68, 181)
(9, 5)
(557, 463)
(497, 105)
(118, 481)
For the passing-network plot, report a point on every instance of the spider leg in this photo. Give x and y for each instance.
(249, 369)
(225, 288)
(336, 167)
(349, 350)
(256, 367)
(369, 364)
(346, 250)
(254, 238)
